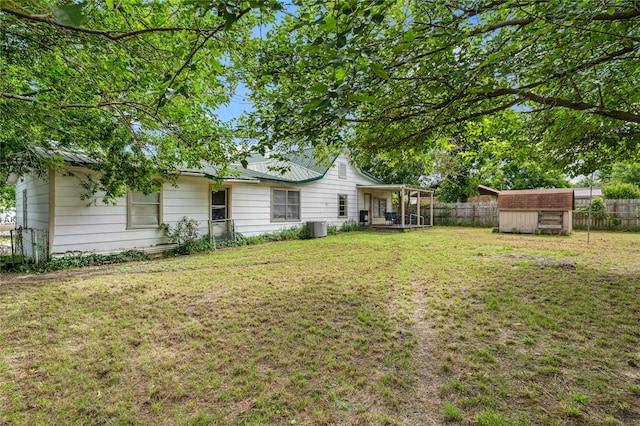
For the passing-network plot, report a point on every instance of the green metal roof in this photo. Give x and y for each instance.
(73, 157)
(290, 168)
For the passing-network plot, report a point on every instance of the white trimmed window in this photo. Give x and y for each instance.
(379, 207)
(285, 205)
(219, 203)
(342, 205)
(144, 211)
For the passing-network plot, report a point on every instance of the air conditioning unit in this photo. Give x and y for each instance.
(317, 229)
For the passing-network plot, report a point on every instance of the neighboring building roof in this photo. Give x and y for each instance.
(586, 193)
(294, 169)
(560, 199)
(485, 190)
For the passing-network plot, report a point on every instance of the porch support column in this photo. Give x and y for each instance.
(402, 205)
(418, 208)
(431, 209)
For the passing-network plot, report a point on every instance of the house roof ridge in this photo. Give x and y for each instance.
(293, 168)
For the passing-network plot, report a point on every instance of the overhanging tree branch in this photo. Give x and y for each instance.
(559, 102)
(110, 34)
(26, 97)
(194, 51)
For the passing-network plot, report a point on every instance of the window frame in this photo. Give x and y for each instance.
(286, 205)
(131, 204)
(377, 202)
(346, 205)
(226, 202)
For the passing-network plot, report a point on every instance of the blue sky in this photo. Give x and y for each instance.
(240, 101)
(239, 104)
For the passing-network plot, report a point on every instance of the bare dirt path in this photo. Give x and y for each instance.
(423, 407)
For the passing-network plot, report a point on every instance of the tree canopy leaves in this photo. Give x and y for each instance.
(391, 75)
(136, 83)
(132, 83)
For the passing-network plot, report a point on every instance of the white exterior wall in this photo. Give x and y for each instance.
(251, 203)
(192, 198)
(102, 228)
(37, 202)
(93, 226)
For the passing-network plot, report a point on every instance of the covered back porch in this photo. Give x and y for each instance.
(395, 207)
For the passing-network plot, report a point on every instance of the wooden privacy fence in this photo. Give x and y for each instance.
(476, 214)
(620, 215)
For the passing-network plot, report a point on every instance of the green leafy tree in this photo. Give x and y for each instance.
(528, 175)
(391, 75)
(408, 168)
(132, 83)
(488, 152)
(621, 191)
(7, 196)
(625, 172)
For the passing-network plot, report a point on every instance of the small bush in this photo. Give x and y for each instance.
(621, 191)
(201, 244)
(301, 233)
(598, 208)
(80, 261)
(185, 235)
(349, 226)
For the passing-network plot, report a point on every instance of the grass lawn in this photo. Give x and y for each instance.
(455, 325)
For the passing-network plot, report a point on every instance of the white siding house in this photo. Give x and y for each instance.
(32, 202)
(258, 201)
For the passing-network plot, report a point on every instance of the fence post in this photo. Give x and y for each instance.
(21, 237)
(34, 247)
(13, 250)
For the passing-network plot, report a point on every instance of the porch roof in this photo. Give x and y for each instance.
(397, 187)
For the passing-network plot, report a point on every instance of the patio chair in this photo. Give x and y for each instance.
(388, 218)
(414, 217)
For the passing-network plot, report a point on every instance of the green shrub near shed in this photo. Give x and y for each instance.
(620, 191)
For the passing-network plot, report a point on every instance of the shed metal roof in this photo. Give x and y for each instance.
(560, 199)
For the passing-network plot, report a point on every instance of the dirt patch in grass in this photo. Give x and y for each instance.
(449, 325)
(421, 406)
